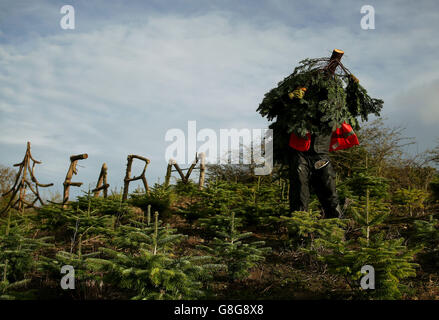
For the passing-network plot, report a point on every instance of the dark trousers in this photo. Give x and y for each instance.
(304, 176)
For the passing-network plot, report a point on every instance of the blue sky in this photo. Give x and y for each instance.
(131, 70)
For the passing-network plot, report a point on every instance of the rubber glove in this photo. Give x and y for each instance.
(298, 93)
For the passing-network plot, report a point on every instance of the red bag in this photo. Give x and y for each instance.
(300, 144)
(343, 138)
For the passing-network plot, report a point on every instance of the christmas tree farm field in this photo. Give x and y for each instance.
(230, 240)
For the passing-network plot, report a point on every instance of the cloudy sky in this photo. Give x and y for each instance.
(131, 70)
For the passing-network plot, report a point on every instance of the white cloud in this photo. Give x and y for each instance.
(115, 90)
(421, 102)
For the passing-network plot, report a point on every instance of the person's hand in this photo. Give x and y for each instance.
(298, 93)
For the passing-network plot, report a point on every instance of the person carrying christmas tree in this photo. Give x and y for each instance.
(310, 166)
(314, 109)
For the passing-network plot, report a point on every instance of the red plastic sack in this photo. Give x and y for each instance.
(343, 138)
(300, 144)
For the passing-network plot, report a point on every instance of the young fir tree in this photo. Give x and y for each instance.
(434, 187)
(81, 228)
(239, 256)
(89, 215)
(72, 223)
(219, 223)
(262, 200)
(143, 262)
(152, 236)
(304, 227)
(390, 258)
(17, 256)
(159, 199)
(216, 198)
(426, 232)
(410, 200)
(367, 195)
(88, 285)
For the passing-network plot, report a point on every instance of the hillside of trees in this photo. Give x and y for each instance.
(235, 238)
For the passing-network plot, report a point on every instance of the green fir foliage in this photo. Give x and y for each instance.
(329, 101)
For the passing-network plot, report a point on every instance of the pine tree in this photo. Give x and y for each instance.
(434, 187)
(426, 232)
(219, 223)
(304, 227)
(17, 256)
(151, 276)
(390, 258)
(144, 263)
(74, 222)
(153, 237)
(159, 198)
(87, 284)
(239, 256)
(214, 199)
(410, 200)
(368, 204)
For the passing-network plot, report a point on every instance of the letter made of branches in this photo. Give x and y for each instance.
(102, 182)
(202, 170)
(128, 178)
(22, 182)
(68, 181)
(185, 177)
